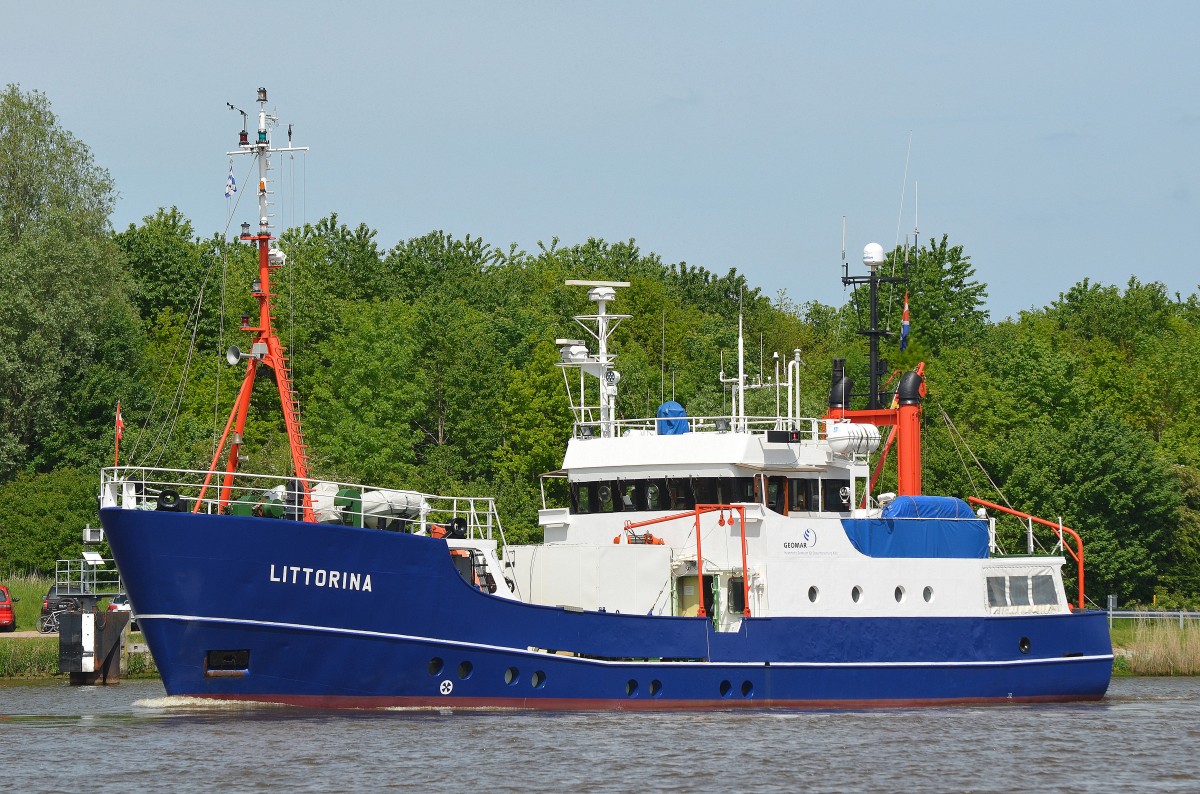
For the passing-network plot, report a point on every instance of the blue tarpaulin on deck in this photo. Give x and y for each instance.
(672, 419)
(921, 526)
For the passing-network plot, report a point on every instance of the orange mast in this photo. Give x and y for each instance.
(266, 348)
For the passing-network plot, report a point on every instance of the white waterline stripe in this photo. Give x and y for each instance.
(505, 649)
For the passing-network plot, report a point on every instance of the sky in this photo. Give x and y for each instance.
(1055, 141)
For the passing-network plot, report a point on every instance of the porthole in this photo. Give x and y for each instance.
(538, 679)
(927, 594)
(655, 688)
(899, 594)
(726, 689)
(512, 675)
(747, 689)
(436, 666)
(464, 670)
(631, 688)
(813, 592)
(856, 594)
(1024, 645)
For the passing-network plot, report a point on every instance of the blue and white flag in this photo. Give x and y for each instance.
(230, 184)
(904, 325)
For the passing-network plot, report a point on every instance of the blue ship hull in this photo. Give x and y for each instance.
(251, 609)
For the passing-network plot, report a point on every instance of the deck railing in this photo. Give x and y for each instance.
(277, 496)
(1076, 553)
(809, 429)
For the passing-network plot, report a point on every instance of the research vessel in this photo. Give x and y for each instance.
(702, 562)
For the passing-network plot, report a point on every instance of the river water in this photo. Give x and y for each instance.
(1145, 736)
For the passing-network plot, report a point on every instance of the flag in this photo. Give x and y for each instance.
(230, 183)
(120, 423)
(904, 325)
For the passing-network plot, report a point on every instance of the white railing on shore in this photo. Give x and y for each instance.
(278, 496)
(1145, 614)
(89, 576)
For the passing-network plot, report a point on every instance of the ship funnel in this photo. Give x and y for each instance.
(909, 392)
(839, 394)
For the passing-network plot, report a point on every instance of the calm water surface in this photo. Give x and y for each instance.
(1145, 736)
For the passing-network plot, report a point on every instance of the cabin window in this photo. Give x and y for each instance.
(802, 495)
(738, 489)
(607, 498)
(705, 490)
(777, 494)
(657, 495)
(835, 495)
(1044, 593)
(629, 495)
(583, 497)
(680, 494)
(995, 588)
(735, 599)
(1018, 591)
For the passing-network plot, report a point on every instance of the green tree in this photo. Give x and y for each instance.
(44, 517)
(46, 174)
(63, 293)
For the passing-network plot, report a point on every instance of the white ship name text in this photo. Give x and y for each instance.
(319, 577)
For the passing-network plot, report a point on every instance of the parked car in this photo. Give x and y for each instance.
(120, 603)
(57, 599)
(8, 618)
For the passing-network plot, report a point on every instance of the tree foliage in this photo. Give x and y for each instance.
(430, 364)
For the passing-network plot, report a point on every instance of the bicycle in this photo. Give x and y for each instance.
(49, 624)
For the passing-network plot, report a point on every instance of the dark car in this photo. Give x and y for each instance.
(58, 599)
(8, 618)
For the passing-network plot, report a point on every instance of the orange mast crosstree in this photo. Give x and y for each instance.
(266, 349)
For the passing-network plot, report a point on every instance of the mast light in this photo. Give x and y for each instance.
(245, 230)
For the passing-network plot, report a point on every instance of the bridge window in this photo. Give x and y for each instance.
(777, 495)
(674, 493)
(802, 495)
(835, 495)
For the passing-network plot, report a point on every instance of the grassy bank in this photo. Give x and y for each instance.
(29, 657)
(37, 657)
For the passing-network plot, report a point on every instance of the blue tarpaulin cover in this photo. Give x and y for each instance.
(672, 419)
(921, 526)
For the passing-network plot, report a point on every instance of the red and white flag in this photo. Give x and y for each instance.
(120, 423)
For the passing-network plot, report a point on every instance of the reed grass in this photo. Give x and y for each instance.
(29, 657)
(1163, 647)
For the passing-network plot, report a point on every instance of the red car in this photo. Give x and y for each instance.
(8, 619)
